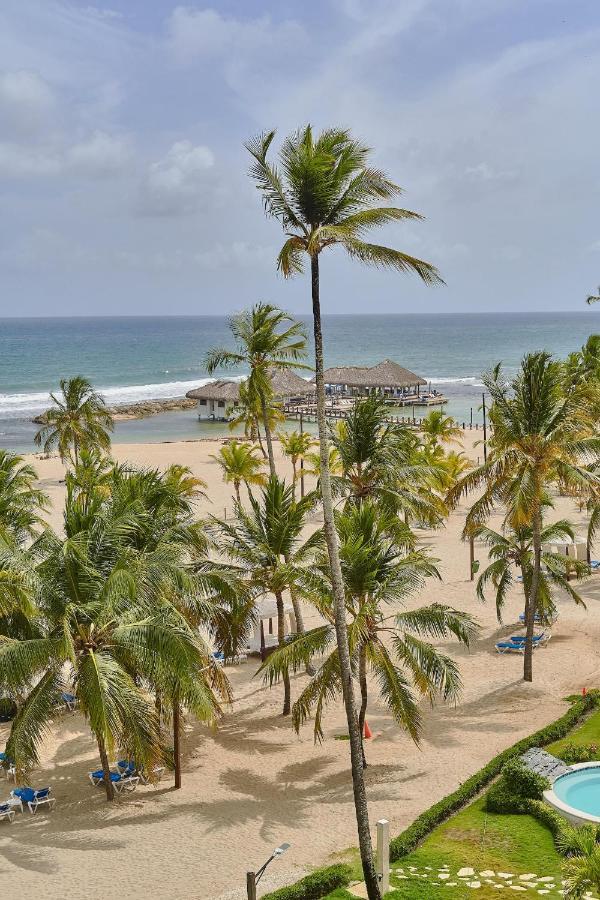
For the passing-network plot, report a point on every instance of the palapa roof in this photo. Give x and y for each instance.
(384, 374)
(286, 383)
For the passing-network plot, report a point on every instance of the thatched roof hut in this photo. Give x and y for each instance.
(385, 375)
(285, 382)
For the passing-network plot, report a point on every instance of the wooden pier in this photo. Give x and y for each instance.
(308, 413)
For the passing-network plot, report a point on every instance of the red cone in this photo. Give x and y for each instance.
(368, 733)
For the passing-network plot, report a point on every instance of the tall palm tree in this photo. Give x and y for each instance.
(511, 551)
(265, 545)
(248, 413)
(295, 445)
(324, 193)
(77, 419)
(379, 575)
(240, 465)
(441, 429)
(21, 502)
(542, 436)
(268, 340)
(104, 610)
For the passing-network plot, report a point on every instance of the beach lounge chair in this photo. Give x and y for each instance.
(129, 768)
(541, 620)
(34, 798)
(70, 701)
(6, 812)
(594, 564)
(510, 647)
(8, 766)
(538, 639)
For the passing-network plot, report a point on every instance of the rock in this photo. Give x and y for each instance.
(443, 876)
(517, 887)
(465, 872)
(530, 877)
(451, 884)
(487, 874)
(546, 878)
(505, 875)
(474, 884)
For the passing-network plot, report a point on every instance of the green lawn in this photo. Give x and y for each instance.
(473, 837)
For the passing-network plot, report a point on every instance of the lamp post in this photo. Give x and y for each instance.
(252, 878)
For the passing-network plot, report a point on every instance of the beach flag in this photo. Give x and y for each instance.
(368, 733)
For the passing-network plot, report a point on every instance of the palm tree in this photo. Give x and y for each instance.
(264, 348)
(265, 545)
(296, 445)
(79, 418)
(248, 413)
(379, 575)
(325, 193)
(581, 871)
(593, 298)
(441, 429)
(542, 437)
(21, 502)
(378, 460)
(105, 611)
(240, 464)
(512, 550)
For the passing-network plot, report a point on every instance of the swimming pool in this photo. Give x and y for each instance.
(577, 793)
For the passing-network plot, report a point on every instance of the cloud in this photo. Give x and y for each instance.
(206, 34)
(26, 103)
(17, 162)
(176, 184)
(100, 154)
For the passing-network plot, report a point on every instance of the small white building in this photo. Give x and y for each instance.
(219, 400)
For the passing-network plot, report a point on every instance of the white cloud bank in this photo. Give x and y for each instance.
(178, 183)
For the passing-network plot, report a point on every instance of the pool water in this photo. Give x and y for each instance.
(580, 790)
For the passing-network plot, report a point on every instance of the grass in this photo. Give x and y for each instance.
(474, 837)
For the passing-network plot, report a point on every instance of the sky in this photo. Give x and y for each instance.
(123, 173)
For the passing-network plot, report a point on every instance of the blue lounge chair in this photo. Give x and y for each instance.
(536, 639)
(8, 765)
(6, 812)
(541, 620)
(594, 564)
(34, 798)
(70, 700)
(510, 647)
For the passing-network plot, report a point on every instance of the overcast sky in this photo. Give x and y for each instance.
(122, 169)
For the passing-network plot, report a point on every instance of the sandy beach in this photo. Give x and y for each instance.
(253, 783)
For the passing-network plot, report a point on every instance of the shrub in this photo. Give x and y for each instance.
(406, 842)
(316, 885)
(517, 784)
(579, 753)
(8, 709)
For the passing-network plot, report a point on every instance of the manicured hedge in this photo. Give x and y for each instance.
(316, 885)
(425, 823)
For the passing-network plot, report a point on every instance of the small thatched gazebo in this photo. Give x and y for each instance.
(218, 400)
(387, 378)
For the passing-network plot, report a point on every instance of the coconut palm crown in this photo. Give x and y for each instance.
(79, 418)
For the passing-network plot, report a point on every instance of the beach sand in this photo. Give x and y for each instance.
(252, 783)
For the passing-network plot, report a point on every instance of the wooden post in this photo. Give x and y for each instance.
(251, 885)
(471, 424)
(484, 432)
(471, 555)
(383, 855)
(301, 461)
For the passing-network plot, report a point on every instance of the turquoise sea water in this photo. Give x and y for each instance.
(132, 359)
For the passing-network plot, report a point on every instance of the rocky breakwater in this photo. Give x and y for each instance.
(141, 409)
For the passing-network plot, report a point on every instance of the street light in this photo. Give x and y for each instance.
(252, 878)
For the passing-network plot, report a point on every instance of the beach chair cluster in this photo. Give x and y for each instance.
(125, 775)
(543, 763)
(25, 796)
(516, 643)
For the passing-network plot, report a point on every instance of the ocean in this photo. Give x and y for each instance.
(129, 359)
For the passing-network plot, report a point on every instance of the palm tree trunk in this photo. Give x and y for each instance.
(362, 679)
(281, 641)
(268, 437)
(360, 794)
(236, 486)
(294, 477)
(177, 739)
(260, 443)
(108, 785)
(531, 603)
